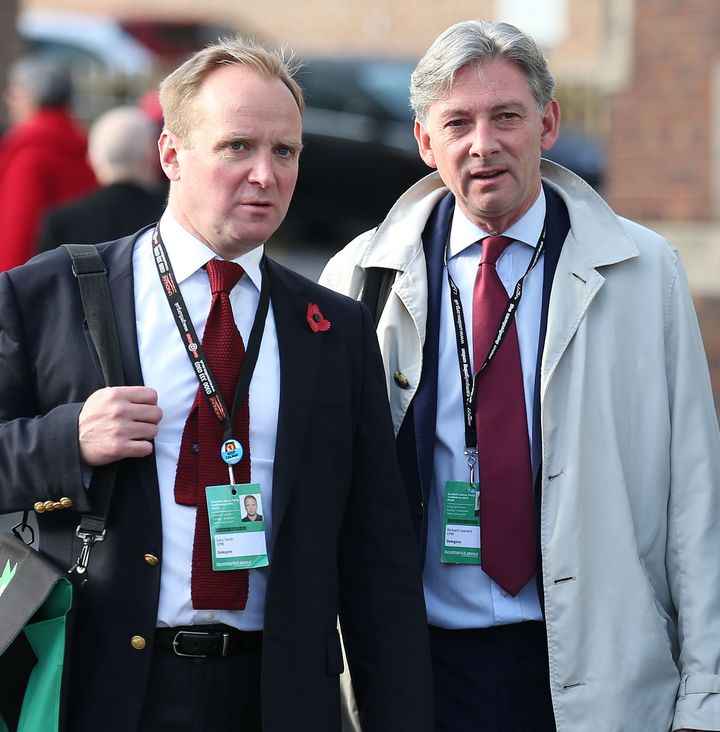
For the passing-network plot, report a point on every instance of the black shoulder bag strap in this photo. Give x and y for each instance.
(376, 290)
(89, 269)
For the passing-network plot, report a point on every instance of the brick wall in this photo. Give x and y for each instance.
(579, 56)
(660, 152)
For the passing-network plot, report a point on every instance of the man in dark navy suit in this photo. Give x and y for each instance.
(182, 626)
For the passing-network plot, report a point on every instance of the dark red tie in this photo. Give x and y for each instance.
(507, 527)
(200, 464)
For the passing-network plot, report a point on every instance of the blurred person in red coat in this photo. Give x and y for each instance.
(123, 153)
(42, 156)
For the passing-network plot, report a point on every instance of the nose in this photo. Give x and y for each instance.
(484, 140)
(262, 172)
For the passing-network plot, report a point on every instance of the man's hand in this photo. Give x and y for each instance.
(118, 422)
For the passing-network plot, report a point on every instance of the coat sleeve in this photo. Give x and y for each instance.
(693, 549)
(382, 609)
(39, 453)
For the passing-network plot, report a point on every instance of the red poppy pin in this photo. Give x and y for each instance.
(315, 319)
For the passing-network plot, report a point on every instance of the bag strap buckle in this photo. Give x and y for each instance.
(89, 539)
(22, 527)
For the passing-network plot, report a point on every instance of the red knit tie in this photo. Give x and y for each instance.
(506, 502)
(200, 464)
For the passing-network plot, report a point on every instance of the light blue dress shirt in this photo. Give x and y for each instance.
(461, 595)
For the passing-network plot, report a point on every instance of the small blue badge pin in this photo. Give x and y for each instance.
(231, 451)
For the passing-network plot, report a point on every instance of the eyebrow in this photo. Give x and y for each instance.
(227, 139)
(512, 105)
(248, 138)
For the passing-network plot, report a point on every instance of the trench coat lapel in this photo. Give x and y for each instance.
(592, 242)
(574, 288)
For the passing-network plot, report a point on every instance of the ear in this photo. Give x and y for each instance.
(550, 125)
(168, 147)
(423, 141)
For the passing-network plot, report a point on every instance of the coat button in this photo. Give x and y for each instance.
(57, 505)
(137, 642)
(401, 380)
(49, 506)
(151, 559)
(66, 502)
(39, 507)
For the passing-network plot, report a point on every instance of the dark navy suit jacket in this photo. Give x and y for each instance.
(341, 541)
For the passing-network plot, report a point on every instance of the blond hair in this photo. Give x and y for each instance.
(179, 89)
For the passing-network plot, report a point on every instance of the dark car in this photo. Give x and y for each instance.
(360, 153)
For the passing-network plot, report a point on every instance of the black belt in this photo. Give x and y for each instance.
(203, 641)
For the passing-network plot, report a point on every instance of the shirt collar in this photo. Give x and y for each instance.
(188, 254)
(464, 233)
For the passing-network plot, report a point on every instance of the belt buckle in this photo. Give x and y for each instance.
(176, 643)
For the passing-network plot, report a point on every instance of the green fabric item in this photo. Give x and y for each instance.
(46, 634)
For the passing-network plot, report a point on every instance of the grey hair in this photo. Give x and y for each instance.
(179, 89)
(122, 139)
(475, 42)
(45, 79)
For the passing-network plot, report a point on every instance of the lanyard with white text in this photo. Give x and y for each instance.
(467, 377)
(230, 452)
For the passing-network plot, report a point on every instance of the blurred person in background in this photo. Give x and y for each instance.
(42, 155)
(586, 596)
(122, 149)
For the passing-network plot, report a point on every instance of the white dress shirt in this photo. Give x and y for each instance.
(166, 368)
(462, 595)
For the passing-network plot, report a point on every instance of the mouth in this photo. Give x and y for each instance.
(487, 174)
(257, 208)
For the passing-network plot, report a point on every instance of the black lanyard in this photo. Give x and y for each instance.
(467, 377)
(194, 348)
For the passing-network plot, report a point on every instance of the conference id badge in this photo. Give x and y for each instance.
(237, 528)
(461, 524)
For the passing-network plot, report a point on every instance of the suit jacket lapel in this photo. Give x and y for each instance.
(425, 402)
(118, 259)
(298, 380)
(558, 225)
